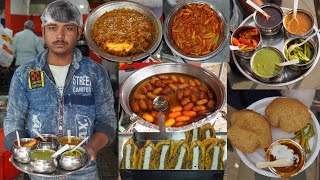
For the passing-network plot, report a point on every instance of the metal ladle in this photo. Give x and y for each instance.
(160, 104)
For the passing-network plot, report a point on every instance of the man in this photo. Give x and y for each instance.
(26, 44)
(62, 90)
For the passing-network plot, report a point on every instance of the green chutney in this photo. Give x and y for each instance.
(265, 62)
(41, 154)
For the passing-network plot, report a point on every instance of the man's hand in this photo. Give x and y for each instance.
(97, 142)
(91, 153)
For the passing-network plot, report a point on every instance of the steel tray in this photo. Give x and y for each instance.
(58, 172)
(140, 139)
(289, 76)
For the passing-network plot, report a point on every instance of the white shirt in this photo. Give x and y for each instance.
(26, 46)
(59, 74)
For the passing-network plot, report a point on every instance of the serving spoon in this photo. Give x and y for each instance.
(295, 8)
(256, 7)
(276, 163)
(85, 139)
(293, 46)
(287, 63)
(61, 150)
(38, 134)
(234, 48)
(160, 104)
(18, 138)
(69, 135)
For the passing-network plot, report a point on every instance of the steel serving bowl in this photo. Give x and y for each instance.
(272, 78)
(51, 144)
(283, 172)
(99, 11)
(305, 65)
(308, 33)
(269, 30)
(172, 45)
(181, 68)
(43, 166)
(21, 154)
(246, 54)
(72, 163)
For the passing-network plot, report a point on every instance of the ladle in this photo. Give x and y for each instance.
(234, 48)
(287, 63)
(256, 7)
(160, 104)
(295, 8)
(85, 139)
(38, 134)
(276, 163)
(69, 135)
(61, 150)
(293, 46)
(18, 138)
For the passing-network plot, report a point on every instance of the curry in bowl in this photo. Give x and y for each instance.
(123, 32)
(289, 150)
(299, 26)
(264, 62)
(42, 154)
(274, 19)
(197, 29)
(73, 140)
(189, 99)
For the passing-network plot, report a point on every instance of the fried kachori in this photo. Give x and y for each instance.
(288, 114)
(249, 130)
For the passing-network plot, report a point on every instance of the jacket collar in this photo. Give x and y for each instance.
(42, 59)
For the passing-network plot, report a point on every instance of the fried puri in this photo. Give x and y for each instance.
(288, 114)
(249, 130)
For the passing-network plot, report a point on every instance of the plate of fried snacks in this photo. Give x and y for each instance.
(276, 136)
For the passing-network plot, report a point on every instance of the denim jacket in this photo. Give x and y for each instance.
(86, 107)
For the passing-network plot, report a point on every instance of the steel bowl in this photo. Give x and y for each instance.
(52, 142)
(21, 154)
(43, 166)
(308, 33)
(72, 163)
(301, 66)
(246, 54)
(297, 150)
(181, 68)
(272, 78)
(269, 30)
(175, 49)
(99, 11)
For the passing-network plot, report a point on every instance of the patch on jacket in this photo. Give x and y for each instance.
(35, 79)
(82, 84)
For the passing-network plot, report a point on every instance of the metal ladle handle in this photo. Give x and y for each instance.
(162, 127)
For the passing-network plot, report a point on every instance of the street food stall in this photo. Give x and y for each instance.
(139, 53)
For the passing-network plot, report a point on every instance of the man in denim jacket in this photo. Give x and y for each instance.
(62, 90)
